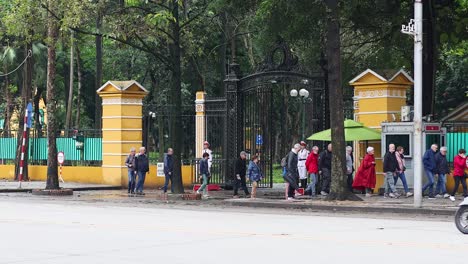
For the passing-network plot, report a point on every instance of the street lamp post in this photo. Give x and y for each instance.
(415, 28)
(304, 95)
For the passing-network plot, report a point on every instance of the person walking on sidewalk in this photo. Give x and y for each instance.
(204, 174)
(312, 169)
(206, 149)
(390, 166)
(131, 171)
(430, 167)
(349, 167)
(365, 176)
(255, 175)
(168, 169)
(241, 165)
(442, 169)
(459, 166)
(401, 170)
(141, 164)
(292, 175)
(301, 167)
(325, 162)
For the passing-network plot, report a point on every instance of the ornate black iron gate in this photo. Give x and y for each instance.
(261, 116)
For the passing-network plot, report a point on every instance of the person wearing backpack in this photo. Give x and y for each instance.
(131, 171)
(255, 175)
(204, 174)
(292, 174)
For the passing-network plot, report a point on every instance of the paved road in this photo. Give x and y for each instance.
(60, 233)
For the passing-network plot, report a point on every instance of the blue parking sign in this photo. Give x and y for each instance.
(259, 140)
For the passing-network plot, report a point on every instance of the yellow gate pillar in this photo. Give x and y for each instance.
(378, 97)
(200, 127)
(122, 103)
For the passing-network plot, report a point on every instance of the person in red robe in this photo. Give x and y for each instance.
(365, 176)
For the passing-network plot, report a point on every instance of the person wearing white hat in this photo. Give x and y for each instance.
(301, 164)
(206, 149)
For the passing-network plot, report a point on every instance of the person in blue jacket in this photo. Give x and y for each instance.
(430, 168)
(255, 175)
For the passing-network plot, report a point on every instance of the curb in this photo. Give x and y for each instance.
(344, 208)
(77, 189)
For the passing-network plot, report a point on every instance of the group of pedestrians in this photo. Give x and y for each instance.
(436, 164)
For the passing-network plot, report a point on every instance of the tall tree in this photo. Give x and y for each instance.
(52, 36)
(68, 120)
(339, 189)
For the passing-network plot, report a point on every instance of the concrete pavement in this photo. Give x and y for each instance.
(28, 186)
(42, 232)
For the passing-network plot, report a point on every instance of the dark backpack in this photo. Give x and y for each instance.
(284, 161)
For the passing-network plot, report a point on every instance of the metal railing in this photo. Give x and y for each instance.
(456, 138)
(89, 155)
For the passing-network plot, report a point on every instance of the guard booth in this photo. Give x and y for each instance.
(401, 134)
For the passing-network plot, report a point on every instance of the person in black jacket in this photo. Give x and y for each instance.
(241, 165)
(442, 169)
(168, 169)
(141, 165)
(292, 174)
(390, 167)
(325, 161)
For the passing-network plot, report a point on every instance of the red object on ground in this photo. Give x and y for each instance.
(301, 191)
(211, 187)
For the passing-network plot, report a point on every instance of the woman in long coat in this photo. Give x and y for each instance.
(365, 176)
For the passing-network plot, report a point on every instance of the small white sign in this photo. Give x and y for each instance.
(160, 170)
(61, 157)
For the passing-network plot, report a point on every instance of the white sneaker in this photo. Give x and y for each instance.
(368, 195)
(439, 196)
(323, 193)
(446, 195)
(409, 194)
(392, 195)
(452, 198)
(290, 199)
(198, 191)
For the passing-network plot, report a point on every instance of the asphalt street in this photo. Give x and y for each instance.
(92, 233)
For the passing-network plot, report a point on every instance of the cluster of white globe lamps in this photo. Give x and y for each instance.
(302, 92)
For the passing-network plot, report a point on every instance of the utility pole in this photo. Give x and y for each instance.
(415, 28)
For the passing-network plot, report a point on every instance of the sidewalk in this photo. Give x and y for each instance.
(12, 186)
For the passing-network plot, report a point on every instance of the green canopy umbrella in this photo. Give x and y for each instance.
(354, 131)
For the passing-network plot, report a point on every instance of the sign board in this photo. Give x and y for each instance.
(160, 169)
(259, 140)
(61, 157)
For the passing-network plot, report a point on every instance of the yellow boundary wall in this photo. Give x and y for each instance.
(92, 175)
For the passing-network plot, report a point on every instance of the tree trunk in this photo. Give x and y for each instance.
(37, 121)
(430, 56)
(52, 35)
(339, 189)
(97, 98)
(176, 133)
(9, 104)
(70, 88)
(80, 81)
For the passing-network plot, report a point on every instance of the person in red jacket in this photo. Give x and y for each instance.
(459, 166)
(365, 175)
(312, 169)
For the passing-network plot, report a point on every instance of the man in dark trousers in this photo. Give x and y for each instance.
(325, 161)
(168, 169)
(292, 174)
(141, 165)
(241, 165)
(390, 168)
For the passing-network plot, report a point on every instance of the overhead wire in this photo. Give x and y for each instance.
(29, 55)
